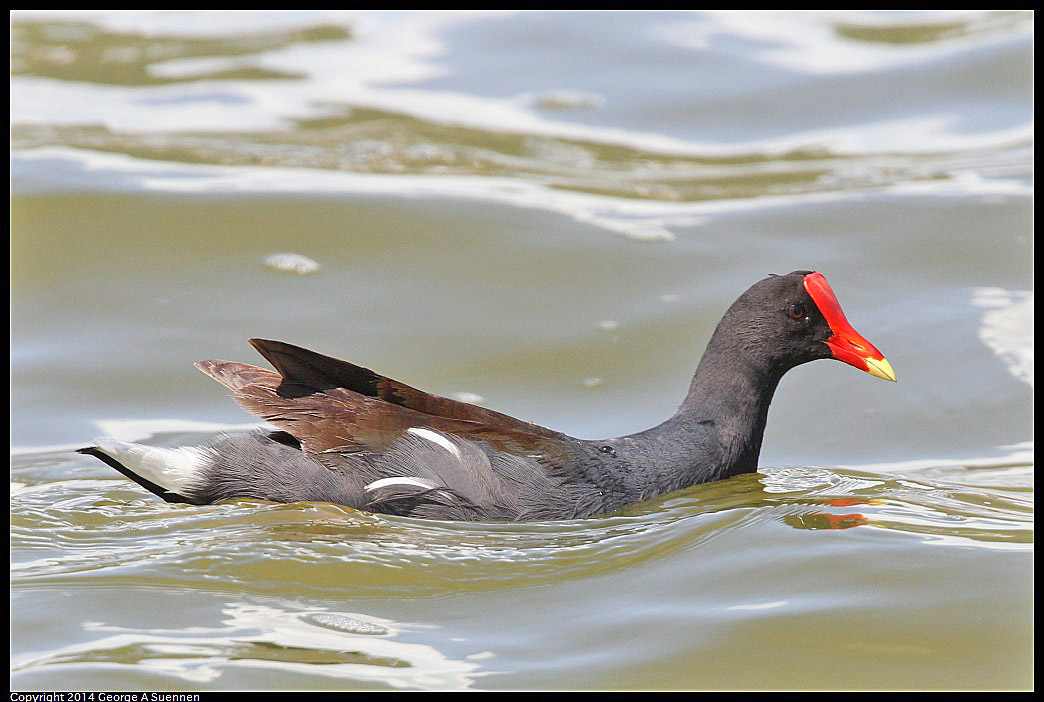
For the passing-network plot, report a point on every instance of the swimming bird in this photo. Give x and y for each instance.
(347, 435)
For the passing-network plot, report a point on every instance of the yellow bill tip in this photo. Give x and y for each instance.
(880, 368)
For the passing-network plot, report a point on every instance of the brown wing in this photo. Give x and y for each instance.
(314, 370)
(331, 404)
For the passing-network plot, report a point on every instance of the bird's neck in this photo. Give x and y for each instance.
(717, 430)
(731, 397)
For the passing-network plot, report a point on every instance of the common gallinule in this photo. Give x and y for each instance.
(350, 436)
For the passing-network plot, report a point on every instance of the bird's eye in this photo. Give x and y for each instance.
(795, 310)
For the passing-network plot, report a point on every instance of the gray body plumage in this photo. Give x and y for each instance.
(471, 485)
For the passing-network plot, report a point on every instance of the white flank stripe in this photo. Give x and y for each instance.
(436, 438)
(384, 482)
(174, 469)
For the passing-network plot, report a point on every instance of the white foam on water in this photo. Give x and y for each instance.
(389, 55)
(1006, 328)
(641, 220)
(808, 41)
